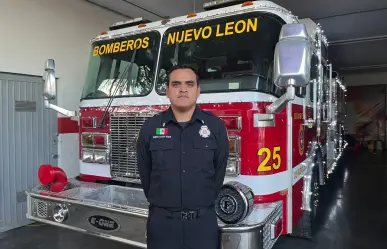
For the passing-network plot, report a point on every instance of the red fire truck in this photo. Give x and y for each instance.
(263, 71)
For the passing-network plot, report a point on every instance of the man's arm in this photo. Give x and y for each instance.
(221, 156)
(144, 160)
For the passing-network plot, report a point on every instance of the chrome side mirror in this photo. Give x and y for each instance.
(292, 56)
(49, 80)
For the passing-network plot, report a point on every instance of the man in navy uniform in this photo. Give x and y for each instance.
(182, 158)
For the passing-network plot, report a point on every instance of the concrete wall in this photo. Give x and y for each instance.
(35, 30)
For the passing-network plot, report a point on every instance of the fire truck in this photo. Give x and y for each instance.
(262, 70)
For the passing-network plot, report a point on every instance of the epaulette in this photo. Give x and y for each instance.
(159, 113)
(209, 113)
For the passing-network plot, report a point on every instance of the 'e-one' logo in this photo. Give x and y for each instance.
(103, 223)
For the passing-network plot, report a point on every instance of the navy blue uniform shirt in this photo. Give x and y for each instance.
(182, 166)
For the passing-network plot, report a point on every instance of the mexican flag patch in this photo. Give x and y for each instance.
(161, 131)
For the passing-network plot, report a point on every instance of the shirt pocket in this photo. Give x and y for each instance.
(205, 148)
(160, 150)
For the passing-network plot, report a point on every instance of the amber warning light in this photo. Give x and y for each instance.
(94, 139)
(225, 3)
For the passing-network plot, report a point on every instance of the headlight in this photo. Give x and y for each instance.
(87, 156)
(95, 156)
(100, 156)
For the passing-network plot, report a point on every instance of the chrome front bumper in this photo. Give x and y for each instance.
(120, 214)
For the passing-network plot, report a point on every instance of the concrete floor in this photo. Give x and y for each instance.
(353, 215)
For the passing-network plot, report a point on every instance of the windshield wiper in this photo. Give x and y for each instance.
(129, 69)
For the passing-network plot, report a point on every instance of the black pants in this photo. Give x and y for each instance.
(164, 232)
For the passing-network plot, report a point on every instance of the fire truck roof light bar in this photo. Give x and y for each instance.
(128, 23)
(221, 3)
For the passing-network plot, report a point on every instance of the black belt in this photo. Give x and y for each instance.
(182, 215)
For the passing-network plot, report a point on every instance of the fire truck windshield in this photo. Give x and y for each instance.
(230, 53)
(109, 61)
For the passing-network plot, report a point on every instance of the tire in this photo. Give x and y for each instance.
(305, 227)
(319, 160)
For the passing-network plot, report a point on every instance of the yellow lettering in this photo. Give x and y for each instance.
(218, 33)
(180, 37)
(207, 29)
(240, 27)
(229, 28)
(188, 35)
(102, 50)
(116, 47)
(252, 25)
(130, 45)
(96, 48)
(109, 48)
(123, 46)
(145, 42)
(268, 154)
(197, 33)
(171, 38)
(138, 43)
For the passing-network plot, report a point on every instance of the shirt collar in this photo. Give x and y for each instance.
(168, 116)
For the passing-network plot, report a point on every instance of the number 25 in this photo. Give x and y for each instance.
(263, 167)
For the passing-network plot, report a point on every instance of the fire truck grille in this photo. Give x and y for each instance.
(124, 128)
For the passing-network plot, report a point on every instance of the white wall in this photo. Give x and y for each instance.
(35, 30)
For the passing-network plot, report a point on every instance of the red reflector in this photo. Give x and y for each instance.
(87, 122)
(99, 140)
(231, 123)
(276, 229)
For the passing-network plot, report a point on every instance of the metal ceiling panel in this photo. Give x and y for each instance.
(360, 25)
(317, 9)
(359, 54)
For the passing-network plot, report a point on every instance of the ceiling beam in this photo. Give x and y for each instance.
(357, 68)
(348, 13)
(358, 40)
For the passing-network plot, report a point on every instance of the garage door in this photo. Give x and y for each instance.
(27, 140)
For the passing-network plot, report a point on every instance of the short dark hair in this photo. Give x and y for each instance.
(182, 67)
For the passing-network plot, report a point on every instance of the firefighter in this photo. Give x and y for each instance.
(182, 158)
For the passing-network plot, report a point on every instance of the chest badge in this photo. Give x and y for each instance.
(204, 131)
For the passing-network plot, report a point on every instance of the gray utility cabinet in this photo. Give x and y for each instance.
(28, 138)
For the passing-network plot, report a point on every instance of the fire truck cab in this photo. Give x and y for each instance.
(263, 71)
